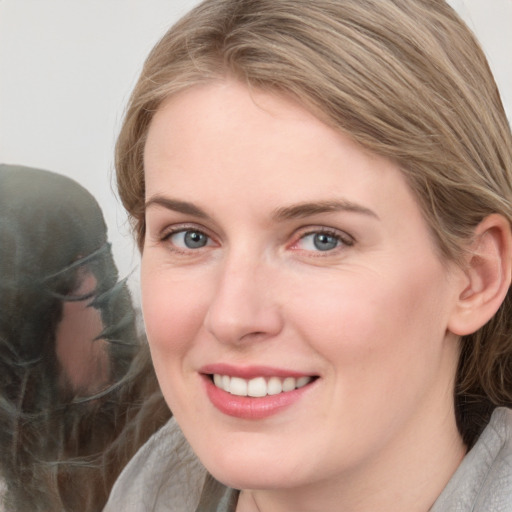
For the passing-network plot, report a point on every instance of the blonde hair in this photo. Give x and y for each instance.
(406, 79)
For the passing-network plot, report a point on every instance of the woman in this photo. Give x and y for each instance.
(322, 195)
(71, 365)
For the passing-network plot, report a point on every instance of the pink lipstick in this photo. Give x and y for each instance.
(253, 392)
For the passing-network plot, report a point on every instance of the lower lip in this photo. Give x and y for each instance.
(250, 408)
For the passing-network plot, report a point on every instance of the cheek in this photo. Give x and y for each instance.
(382, 340)
(173, 308)
(376, 324)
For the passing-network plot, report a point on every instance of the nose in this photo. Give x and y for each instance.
(245, 305)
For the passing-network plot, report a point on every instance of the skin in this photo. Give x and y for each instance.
(83, 357)
(369, 317)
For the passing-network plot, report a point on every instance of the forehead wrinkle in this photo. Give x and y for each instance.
(307, 209)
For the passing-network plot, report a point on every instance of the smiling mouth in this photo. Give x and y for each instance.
(259, 386)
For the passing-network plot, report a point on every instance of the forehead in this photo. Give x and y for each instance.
(228, 104)
(261, 149)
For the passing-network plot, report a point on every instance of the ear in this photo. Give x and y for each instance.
(487, 276)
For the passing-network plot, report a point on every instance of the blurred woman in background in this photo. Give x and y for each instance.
(73, 372)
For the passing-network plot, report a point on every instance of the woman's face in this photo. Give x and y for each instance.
(282, 260)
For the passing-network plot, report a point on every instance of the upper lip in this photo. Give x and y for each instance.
(250, 372)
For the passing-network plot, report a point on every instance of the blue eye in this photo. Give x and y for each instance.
(189, 239)
(325, 242)
(322, 241)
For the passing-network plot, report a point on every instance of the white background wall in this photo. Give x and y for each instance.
(67, 68)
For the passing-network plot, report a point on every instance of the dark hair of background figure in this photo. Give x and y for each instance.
(63, 449)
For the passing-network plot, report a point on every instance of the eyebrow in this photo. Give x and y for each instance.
(307, 209)
(295, 211)
(176, 206)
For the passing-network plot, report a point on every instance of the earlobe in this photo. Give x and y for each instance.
(488, 276)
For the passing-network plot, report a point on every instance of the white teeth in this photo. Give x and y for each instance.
(289, 384)
(274, 386)
(226, 381)
(302, 381)
(238, 386)
(259, 386)
(217, 379)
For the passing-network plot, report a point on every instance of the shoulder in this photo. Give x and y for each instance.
(164, 475)
(483, 481)
(3, 490)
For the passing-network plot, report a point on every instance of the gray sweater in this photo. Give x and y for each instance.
(166, 476)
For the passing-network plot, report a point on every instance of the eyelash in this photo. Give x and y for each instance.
(167, 235)
(342, 239)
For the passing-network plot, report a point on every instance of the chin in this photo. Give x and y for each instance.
(253, 480)
(247, 473)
